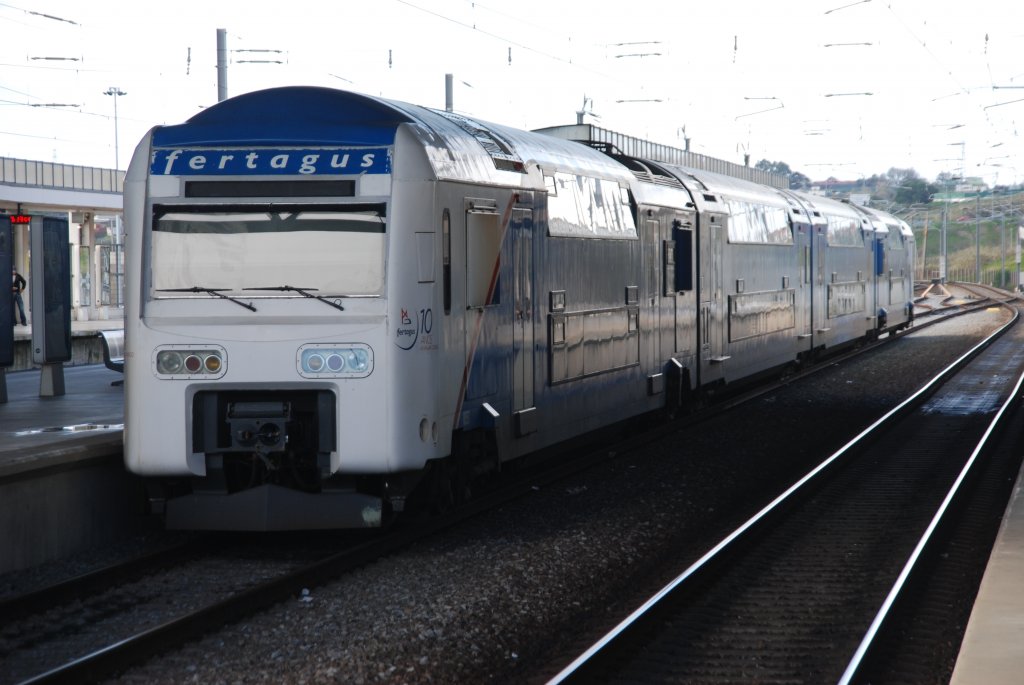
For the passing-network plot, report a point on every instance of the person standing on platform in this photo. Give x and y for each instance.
(17, 288)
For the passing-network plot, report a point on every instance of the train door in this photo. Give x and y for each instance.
(712, 309)
(655, 347)
(881, 272)
(521, 234)
(803, 234)
(672, 287)
(819, 251)
(676, 278)
(681, 232)
(486, 349)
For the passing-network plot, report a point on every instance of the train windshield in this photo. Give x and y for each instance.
(336, 250)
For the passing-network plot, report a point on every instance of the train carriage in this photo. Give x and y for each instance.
(754, 305)
(843, 271)
(893, 272)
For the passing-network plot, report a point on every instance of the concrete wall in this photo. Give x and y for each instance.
(82, 502)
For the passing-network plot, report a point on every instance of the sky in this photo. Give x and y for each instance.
(839, 88)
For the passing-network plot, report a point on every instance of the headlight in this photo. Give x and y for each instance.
(334, 360)
(358, 360)
(185, 362)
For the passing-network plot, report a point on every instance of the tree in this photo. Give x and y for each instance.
(897, 177)
(914, 190)
(796, 179)
(780, 168)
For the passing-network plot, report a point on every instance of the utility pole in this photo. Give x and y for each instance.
(977, 235)
(942, 241)
(222, 65)
(116, 92)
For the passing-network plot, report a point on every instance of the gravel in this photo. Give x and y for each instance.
(513, 595)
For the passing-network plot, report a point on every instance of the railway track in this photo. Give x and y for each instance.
(82, 628)
(809, 589)
(236, 601)
(51, 596)
(33, 637)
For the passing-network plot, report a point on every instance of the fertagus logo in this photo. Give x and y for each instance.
(269, 161)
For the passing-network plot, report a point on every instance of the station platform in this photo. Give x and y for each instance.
(31, 426)
(992, 651)
(63, 486)
(40, 431)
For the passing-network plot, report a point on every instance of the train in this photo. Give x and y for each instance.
(338, 305)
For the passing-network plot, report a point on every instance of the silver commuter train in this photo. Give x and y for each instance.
(334, 301)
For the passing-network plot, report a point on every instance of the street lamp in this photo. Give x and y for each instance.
(115, 91)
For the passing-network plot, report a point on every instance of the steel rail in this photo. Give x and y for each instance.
(47, 596)
(716, 552)
(868, 641)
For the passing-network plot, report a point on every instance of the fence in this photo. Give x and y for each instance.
(1007, 279)
(29, 172)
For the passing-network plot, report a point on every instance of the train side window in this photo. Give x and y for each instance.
(483, 248)
(844, 232)
(586, 207)
(446, 259)
(755, 223)
(683, 238)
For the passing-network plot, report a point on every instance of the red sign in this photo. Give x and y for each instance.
(21, 219)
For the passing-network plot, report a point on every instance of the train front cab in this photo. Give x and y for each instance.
(270, 269)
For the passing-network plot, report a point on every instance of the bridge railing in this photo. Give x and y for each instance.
(28, 172)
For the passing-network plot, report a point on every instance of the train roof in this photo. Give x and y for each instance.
(728, 187)
(616, 143)
(709, 190)
(821, 208)
(458, 147)
(889, 221)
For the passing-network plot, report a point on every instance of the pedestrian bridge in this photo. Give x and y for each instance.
(90, 198)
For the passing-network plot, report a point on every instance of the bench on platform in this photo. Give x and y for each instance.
(113, 351)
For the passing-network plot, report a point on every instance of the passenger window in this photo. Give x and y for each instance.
(684, 257)
(483, 251)
(585, 207)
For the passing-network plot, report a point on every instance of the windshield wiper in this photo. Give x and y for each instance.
(211, 291)
(302, 291)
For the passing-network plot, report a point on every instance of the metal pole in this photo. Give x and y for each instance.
(942, 262)
(1002, 255)
(115, 91)
(924, 248)
(117, 147)
(977, 236)
(222, 65)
